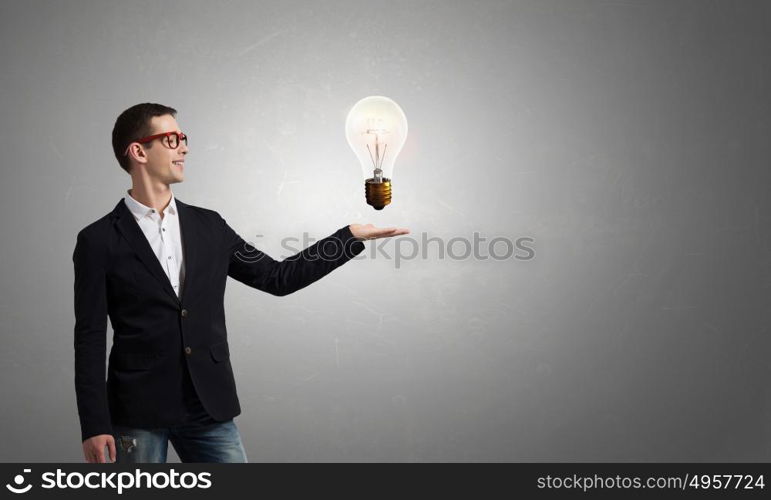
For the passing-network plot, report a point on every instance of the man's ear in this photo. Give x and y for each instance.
(137, 152)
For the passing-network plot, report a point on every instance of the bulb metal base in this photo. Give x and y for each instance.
(378, 193)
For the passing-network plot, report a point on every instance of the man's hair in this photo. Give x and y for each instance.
(133, 124)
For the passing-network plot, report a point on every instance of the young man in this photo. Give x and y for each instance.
(158, 267)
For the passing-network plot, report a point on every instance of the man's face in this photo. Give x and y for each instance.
(163, 163)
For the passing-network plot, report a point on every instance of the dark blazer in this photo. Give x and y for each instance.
(158, 335)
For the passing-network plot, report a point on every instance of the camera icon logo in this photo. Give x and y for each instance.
(19, 480)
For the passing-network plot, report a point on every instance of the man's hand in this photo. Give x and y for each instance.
(370, 232)
(93, 448)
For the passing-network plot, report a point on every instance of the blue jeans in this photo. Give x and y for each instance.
(218, 442)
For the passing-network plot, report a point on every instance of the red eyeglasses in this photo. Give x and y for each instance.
(170, 140)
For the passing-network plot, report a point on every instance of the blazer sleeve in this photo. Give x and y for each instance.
(90, 337)
(260, 271)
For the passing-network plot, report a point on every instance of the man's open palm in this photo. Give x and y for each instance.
(370, 232)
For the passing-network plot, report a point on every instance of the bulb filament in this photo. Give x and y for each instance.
(377, 159)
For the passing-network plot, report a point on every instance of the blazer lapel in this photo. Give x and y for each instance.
(130, 230)
(187, 229)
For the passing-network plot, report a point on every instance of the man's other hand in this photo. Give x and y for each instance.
(370, 232)
(93, 448)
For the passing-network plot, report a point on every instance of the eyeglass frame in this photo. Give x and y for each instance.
(181, 136)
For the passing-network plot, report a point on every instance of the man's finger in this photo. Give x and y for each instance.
(111, 446)
(392, 231)
(382, 233)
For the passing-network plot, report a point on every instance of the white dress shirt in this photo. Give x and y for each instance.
(164, 236)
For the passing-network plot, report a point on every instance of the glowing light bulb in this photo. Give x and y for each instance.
(376, 129)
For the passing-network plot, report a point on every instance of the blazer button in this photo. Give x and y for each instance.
(188, 350)
(184, 313)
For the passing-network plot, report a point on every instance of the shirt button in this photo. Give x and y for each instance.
(184, 313)
(164, 228)
(169, 257)
(188, 350)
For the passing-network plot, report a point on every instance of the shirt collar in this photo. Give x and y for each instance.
(140, 210)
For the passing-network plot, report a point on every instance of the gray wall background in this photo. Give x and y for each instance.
(630, 139)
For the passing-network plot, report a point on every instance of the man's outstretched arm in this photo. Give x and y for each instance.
(258, 270)
(90, 349)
